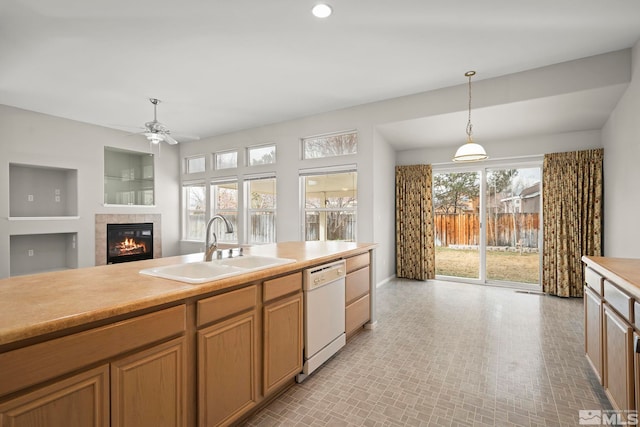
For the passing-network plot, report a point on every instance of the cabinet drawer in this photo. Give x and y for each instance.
(357, 314)
(356, 262)
(593, 280)
(39, 362)
(618, 300)
(227, 304)
(281, 286)
(356, 285)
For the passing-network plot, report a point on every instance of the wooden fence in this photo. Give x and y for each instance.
(503, 229)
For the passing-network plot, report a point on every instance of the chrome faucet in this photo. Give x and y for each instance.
(210, 247)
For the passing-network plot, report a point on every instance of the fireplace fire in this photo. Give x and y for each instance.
(129, 242)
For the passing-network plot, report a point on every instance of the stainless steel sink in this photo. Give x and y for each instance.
(207, 271)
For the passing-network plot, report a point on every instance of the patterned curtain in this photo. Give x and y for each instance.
(572, 218)
(415, 247)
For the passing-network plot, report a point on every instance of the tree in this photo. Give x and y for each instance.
(331, 145)
(452, 189)
(501, 179)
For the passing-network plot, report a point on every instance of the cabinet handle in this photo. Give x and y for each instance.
(636, 343)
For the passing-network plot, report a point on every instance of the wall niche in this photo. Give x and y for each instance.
(42, 191)
(40, 253)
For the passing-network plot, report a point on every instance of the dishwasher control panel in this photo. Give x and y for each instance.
(323, 274)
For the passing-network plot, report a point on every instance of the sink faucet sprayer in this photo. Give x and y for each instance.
(210, 247)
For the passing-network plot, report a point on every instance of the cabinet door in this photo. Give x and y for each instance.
(593, 330)
(618, 361)
(79, 401)
(227, 369)
(149, 389)
(282, 341)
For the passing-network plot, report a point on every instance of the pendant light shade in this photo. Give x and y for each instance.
(470, 151)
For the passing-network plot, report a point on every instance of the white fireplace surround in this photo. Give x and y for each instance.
(101, 232)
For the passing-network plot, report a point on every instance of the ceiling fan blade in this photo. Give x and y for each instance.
(169, 139)
(186, 137)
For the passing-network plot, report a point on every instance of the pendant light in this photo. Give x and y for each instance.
(470, 151)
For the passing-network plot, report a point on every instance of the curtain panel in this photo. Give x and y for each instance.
(572, 218)
(415, 244)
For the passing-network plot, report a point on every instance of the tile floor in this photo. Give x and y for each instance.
(452, 354)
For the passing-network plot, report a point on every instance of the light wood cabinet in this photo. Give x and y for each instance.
(79, 401)
(228, 359)
(593, 330)
(283, 341)
(618, 360)
(636, 368)
(145, 388)
(148, 389)
(357, 290)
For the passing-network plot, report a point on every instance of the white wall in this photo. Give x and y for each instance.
(36, 139)
(376, 157)
(621, 137)
(287, 136)
(384, 208)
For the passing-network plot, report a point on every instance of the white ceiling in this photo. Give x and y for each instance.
(221, 66)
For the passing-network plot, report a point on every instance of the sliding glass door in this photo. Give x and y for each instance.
(488, 223)
(457, 223)
(513, 224)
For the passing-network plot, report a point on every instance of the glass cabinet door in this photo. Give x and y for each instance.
(128, 177)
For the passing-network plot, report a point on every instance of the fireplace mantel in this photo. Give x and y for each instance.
(101, 232)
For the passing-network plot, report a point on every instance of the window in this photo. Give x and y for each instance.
(224, 201)
(195, 164)
(226, 159)
(194, 202)
(261, 202)
(329, 145)
(262, 155)
(330, 206)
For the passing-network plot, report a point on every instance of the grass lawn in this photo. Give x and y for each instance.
(509, 266)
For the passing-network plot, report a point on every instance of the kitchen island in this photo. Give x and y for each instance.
(115, 347)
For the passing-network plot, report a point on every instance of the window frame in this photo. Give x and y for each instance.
(187, 171)
(326, 136)
(334, 170)
(248, 180)
(258, 147)
(219, 153)
(214, 210)
(185, 234)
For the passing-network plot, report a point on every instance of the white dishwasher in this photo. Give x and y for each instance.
(324, 326)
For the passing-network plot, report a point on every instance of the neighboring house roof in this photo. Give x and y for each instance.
(531, 191)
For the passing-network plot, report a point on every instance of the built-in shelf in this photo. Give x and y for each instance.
(42, 218)
(39, 253)
(128, 178)
(42, 192)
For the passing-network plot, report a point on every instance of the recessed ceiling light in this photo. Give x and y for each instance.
(321, 10)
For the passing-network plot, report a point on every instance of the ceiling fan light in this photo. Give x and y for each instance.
(470, 152)
(154, 138)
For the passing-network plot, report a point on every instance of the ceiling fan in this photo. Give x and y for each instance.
(156, 131)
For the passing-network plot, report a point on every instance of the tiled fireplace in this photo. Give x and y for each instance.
(103, 255)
